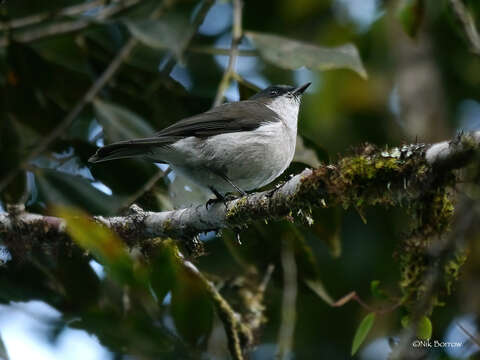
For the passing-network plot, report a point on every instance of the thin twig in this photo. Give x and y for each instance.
(86, 99)
(68, 26)
(468, 25)
(236, 39)
(67, 11)
(289, 312)
(233, 326)
(220, 51)
(472, 337)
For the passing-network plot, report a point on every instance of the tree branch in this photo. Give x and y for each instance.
(370, 177)
(63, 27)
(68, 11)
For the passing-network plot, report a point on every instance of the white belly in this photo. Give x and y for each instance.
(249, 159)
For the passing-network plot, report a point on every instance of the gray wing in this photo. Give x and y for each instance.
(232, 117)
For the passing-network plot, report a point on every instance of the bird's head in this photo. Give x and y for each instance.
(284, 100)
(281, 92)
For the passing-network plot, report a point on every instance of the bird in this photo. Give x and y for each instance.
(234, 147)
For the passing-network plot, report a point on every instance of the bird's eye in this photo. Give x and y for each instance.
(273, 92)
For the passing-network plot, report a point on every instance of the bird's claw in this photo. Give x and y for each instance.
(210, 203)
(223, 199)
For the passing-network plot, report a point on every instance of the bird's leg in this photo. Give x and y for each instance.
(225, 177)
(217, 194)
(219, 197)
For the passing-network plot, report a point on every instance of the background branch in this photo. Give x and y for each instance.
(67, 11)
(232, 60)
(63, 27)
(468, 24)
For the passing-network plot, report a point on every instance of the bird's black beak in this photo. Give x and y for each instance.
(299, 90)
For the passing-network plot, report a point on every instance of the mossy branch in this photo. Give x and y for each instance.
(371, 176)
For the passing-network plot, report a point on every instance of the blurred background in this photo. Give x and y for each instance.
(422, 86)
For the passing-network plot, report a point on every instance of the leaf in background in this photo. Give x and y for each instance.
(424, 326)
(164, 267)
(192, 309)
(120, 123)
(292, 54)
(362, 332)
(166, 33)
(100, 241)
(317, 287)
(59, 188)
(308, 269)
(61, 50)
(410, 13)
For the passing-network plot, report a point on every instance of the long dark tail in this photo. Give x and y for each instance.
(126, 149)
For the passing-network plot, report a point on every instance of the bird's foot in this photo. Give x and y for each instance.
(219, 198)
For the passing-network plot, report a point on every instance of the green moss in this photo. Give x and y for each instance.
(167, 226)
(452, 270)
(400, 177)
(235, 211)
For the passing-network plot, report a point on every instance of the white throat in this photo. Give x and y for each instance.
(287, 109)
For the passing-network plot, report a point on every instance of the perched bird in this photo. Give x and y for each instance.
(238, 146)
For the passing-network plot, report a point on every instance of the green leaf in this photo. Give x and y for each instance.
(164, 267)
(167, 33)
(410, 13)
(120, 123)
(101, 242)
(292, 54)
(192, 309)
(424, 328)
(362, 332)
(61, 50)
